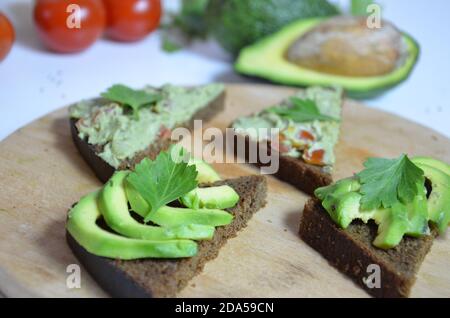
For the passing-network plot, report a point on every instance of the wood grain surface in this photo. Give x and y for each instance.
(42, 175)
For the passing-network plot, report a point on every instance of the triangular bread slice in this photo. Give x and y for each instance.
(305, 176)
(165, 277)
(351, 251)
(104, 170)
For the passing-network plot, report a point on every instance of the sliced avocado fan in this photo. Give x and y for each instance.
(82, 225)
(174, 230)
(114, 206)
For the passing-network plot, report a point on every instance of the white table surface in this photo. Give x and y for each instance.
(34, 81)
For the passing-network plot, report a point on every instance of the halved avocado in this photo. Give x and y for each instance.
(267, 59)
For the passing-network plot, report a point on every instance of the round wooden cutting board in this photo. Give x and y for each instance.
(42, 175)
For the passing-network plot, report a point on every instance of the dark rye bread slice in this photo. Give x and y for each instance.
(351, 251)
(295, 171)
(165, 277)
(104, 171)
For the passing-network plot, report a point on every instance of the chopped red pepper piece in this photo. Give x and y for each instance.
(306, 135)
(315, 157)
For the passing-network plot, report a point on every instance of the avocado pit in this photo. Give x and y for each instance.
(347, 46)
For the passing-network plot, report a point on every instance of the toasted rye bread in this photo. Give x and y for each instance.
(165, 277)
(351, 251)
(303, 176)
(104, 171)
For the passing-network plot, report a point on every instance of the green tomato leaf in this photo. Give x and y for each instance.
(163, 180)
(127, 96)
(385, 182)
(302, 110)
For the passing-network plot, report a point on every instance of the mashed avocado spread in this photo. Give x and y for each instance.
(308, 122)
(121, 134)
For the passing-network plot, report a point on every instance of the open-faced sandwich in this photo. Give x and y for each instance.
(124, 126)
(384, 217)
(147, 232)
(308, 126)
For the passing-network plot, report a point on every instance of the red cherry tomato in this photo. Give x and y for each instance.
(7, 36)
(69, 26)
(131, 20)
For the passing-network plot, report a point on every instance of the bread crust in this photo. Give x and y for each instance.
(295, 171)
(351, 251)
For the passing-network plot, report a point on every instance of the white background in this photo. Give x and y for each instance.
(34, 81)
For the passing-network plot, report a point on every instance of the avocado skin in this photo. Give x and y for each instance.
(237, 23)
(243, 65)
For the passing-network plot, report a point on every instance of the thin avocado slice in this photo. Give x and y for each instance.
(392, 225)
(444, 167)
(82, 225)
(338, 188)
(267, 59)
(169, 217)
(439, 198)
(137, 202)
(114, 206)
(220, 197)
(344, 208)
(206, 174)
(418, 213)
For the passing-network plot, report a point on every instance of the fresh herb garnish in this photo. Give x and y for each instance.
(163, 180)
(302, 110)
(386, 182)
(132, 98)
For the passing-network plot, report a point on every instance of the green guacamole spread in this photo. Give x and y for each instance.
(313, 141)
(122, 135)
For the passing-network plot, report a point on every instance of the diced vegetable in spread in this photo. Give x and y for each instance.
(308, 125)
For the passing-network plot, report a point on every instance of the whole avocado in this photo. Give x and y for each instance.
(237, 23)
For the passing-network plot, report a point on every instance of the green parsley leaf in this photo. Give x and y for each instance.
(163, 180)
(385, 182)
(302, 110)
(130, 97)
